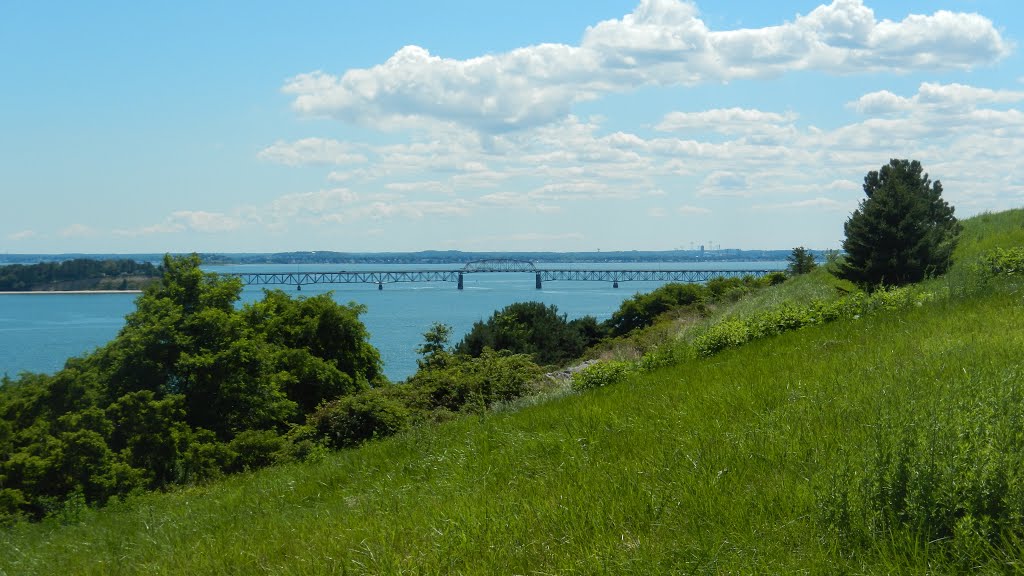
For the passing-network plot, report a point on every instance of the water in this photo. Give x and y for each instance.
(38, 332)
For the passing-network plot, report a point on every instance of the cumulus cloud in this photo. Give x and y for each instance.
(312, 151)
(724, 120)
(311, 203)
(725, 183)
(934, 96)
(662, 42)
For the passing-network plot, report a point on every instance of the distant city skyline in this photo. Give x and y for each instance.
(400, 126)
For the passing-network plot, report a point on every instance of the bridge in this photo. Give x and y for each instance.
(541, 275)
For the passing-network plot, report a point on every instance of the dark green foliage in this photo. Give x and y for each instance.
(902, 232)
(642, 309)
(801, 261)
(256, 449)
(354, 419)
(191, 388)
(434, 350)
(468, 384)
(531, 328)
(77, 274)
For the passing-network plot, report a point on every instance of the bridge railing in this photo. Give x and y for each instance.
(381, 277)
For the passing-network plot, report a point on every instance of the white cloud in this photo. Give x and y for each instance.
(934, 96)
(311, 203)
(818, 202)
(724, 120)
(78, 231)
(662, 42)
(725, 183)
(312, 151)
(547, 208)
(186, 221)
(202, 221)
(412, 210)
(690, 210)
(21, 235)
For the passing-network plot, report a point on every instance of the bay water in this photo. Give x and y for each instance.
(38, 332)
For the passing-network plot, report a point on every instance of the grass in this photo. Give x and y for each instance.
(888, 443)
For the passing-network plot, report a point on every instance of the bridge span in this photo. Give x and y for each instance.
(541, 275)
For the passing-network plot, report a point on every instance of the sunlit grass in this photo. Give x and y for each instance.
(715, 466)
(744, 462)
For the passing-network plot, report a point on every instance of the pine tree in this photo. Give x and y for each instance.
(902, 232)
(801, 261)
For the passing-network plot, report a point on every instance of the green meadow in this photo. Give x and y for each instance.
(890, 440)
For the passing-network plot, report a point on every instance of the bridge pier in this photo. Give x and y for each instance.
(538, 285)
(615, 284)
(380, 285)
(460, 280)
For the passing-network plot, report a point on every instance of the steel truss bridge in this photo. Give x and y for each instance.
(541, 275)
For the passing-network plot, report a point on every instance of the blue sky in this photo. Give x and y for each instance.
(379, 126)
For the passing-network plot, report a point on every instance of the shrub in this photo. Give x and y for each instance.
(601, 374)
(256, 449)
(735, 331)
(1003, 262)
(351, 420)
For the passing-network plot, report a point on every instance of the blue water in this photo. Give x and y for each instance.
(38, 332)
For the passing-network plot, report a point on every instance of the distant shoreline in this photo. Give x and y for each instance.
(25, 292)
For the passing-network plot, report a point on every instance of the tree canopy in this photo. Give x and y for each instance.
(193, 386)
(902, 232)
(78, 274)
(532, 328)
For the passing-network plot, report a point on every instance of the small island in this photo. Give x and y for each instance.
(79, 275)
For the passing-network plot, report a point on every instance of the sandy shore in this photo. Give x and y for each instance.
(75, 292)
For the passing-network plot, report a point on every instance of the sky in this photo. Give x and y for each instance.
(231, 126)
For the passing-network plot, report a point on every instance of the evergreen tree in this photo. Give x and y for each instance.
(902, 232)
(801, 261)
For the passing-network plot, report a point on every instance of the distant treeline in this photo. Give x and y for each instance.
(457, 257)
(436, 257)
(78, 274)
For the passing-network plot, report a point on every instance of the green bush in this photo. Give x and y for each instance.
(1003, 262)
(733, 332)
(256, 449)
(351, 420)
(601, 374)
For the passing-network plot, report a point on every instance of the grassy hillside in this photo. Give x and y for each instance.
(885, 443)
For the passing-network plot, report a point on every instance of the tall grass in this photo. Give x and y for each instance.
(736, 463)
(880, 444)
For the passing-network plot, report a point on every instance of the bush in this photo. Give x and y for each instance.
(601, 374)
(532, 328)
(256, 449)
(1003, 262)
(468, 384)
(733, 332)
(351, 420)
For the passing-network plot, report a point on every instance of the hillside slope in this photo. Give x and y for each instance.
(886, 443)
